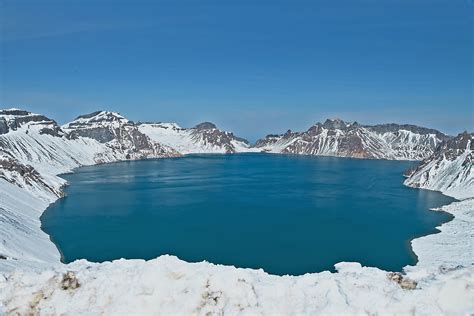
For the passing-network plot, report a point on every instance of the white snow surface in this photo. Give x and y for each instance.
(31, 274)
(454, 245)
(189, 140)
(169, 286)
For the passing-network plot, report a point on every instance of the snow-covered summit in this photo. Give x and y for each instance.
(98, 118)
(205, 125)
(203, 138)
(14, 119)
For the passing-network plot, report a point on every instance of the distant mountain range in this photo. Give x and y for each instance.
(342, 139)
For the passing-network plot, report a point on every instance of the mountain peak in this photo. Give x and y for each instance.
(336, 123)
(101, 116)
(13, 119)
(205, 125)
(15, 112)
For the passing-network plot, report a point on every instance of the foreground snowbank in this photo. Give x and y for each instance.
(167, 285)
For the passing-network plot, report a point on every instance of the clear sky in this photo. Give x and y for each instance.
(251, 66)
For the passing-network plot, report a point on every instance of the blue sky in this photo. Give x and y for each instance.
(253, 67)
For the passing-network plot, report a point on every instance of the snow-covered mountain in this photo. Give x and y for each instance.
(449, 169)
(339, 138)
(119, 133)
(203, 138)
(38, 141)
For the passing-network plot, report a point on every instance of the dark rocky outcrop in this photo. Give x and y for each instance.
(393, 128)
(3, 126)
(19, 118)
(14, 112)
(100, 134)
(86, 116)
(205, 126)
(10, 167)
(404, 282)
(335, 124)
(70, 281)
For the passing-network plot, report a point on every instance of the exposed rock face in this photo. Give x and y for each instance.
(3, 126)
(208, 133)
(205, 125)
(404, 282)
(118, 133)
(25, 176)
(70, 281)
(14, 112)
(449, 169)
(13, 119)
(339, 138)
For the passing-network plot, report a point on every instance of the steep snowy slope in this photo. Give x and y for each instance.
(21, 239)
(203, 138)
(449, 169)
(339, 138)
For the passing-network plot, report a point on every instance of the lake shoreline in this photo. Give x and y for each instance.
(374, 281)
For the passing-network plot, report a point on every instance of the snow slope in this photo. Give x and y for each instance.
(449, 170)
(195, 140)
(34, 150)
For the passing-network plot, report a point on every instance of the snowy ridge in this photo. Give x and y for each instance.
(207, 139)
(34, 150)
(342, 139)
(450, 170)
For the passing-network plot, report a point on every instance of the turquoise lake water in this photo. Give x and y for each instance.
(285, 214)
